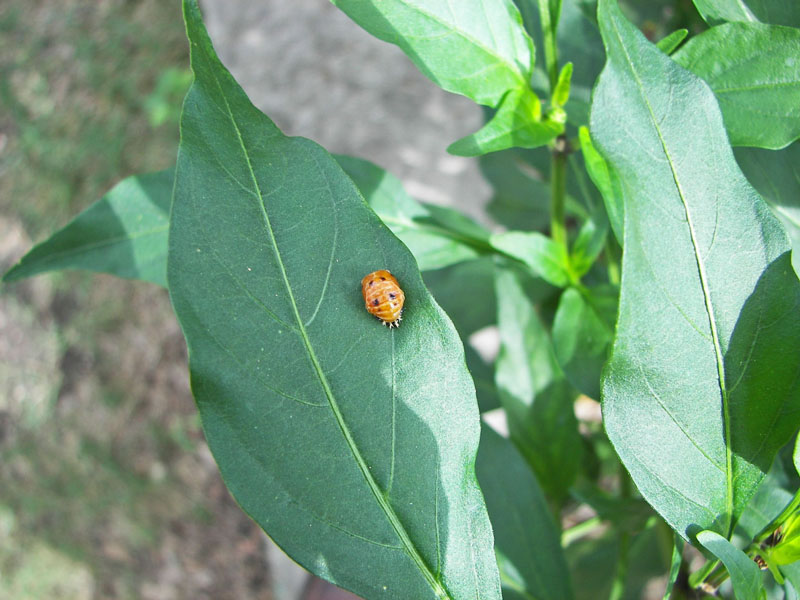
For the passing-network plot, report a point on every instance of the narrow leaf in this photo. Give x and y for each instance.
(754, 70)
(124, 234)
(561, 91)
(776, 176)
(526, 538)
(517, 124)
(605, 181)
(352, 445)
(583, 329)
(674, 565)
(537, 399)
(668, 44)
(492, 52)
(589, 243)
(745, 575)
(542, 255)
(699, 390)
(437, 236)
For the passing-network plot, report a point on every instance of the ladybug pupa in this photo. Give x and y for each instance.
(383, 297)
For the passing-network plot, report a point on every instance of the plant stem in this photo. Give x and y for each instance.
(581, 529)
(696, 578)
(558, 194)
(550, 46)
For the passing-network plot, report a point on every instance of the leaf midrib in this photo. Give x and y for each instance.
(387, 509)
(703, 283)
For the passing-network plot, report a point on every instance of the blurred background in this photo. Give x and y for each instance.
(107, 488)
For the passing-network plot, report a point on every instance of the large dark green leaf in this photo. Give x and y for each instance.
(699, 392)
(526, 539)
(437, 236)
(478, 48)
(754, 70)
(537, 399)
(124, 233)
(776, 176)
(352, 445)
(745, 576)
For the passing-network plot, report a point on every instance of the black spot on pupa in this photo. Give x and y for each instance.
(370, 283)
(392, 295)
(383, 278)
(375, 302)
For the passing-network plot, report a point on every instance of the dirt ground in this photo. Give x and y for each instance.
(107, 489)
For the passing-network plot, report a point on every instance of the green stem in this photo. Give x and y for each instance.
(581, 529)
(696, 578)
(558, 195)
(618, 585)
(550, 46)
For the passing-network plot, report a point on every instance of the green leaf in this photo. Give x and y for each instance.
(796, 454)
(436, 236)
(517, 124)
(521, 180)
(521, 199)
(537, 399)
(561, 91)
(589, 243)
(352, 445)
(703, 371)
(668, 44)
(777, 12)
(715, 12)
(745, 575)
(674, 566)
(542, 255)
(754, 70)
(606, 182)
(466, 293)
(583, 329)
(773, 495)
(526, 538)
(480, 50)
(776, 176)
(124, 234)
